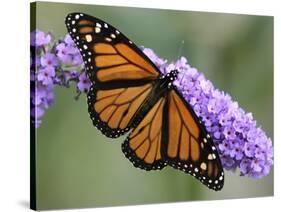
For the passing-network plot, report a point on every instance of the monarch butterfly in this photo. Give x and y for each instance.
(129, 93)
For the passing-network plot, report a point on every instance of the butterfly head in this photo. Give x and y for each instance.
(173, 75)
(170, 77)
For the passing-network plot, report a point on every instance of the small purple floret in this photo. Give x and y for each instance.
(84, 83)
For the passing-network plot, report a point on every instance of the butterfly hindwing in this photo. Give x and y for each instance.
(143, 145)
(120, 73)
(187, 146)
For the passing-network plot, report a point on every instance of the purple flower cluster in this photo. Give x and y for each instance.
(240, 143)
(53, 64)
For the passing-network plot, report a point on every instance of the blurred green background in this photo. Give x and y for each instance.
(79, 167)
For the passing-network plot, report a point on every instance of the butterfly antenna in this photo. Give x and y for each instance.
(180, 49)
(179, 54)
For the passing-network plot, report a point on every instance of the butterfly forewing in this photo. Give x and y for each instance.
(187, 146)
(108, 55)
(120, 73)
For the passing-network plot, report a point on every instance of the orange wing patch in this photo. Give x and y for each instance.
(121, 62)
(183, 131)
(135, 58)
(143, 145)
(86, 29)
(109, 60)
(122, 72)
(85, 22)
(117, 107)
(103, 48)
(145, 140)
(86, 26)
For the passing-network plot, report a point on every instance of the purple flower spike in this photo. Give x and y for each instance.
(47, 70)
(239, 142)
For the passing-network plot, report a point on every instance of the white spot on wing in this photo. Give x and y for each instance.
(97, 30)
(203, 166)
(210, 157)
(88, 38)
